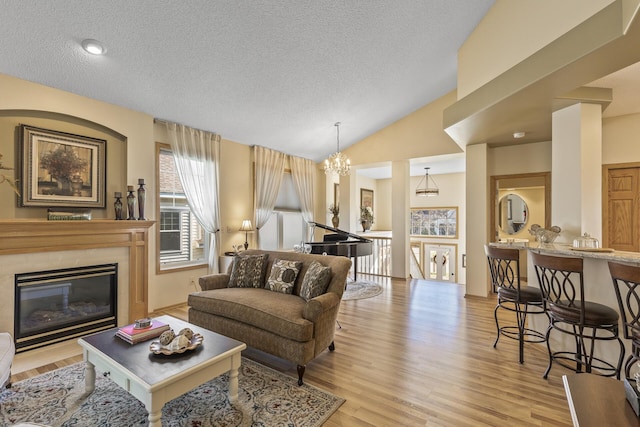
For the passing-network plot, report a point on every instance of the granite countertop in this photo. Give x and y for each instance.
(567, 250)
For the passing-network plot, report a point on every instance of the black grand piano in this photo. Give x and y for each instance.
(342, 243)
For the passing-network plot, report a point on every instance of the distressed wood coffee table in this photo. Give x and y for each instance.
(157, 379)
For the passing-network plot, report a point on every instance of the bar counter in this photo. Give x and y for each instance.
(597, 284)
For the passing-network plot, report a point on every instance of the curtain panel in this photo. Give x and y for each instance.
(269, 172)
(304, 178)
(197, 157)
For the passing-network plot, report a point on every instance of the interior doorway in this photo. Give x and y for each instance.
(517, 202)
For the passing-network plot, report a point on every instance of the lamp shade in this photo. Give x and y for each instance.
(246, 225)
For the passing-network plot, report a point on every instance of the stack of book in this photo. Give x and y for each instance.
(132, 335)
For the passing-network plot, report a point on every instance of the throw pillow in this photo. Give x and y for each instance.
(315, 280)
(283, 275)
(248, 271)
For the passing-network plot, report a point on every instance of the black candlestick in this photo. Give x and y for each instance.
(141, 198)
(131, 203)
(117, 205)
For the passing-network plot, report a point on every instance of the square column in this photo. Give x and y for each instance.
(400, 191)
(576, 171)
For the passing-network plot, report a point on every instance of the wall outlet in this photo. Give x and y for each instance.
(192, 281)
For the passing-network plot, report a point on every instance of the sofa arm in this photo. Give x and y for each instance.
(213, 281)
(318, 305)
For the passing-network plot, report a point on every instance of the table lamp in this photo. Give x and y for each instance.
(246, 227)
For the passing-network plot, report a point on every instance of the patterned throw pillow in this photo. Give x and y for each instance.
(283, 275)
(248, 271)
(315, 281)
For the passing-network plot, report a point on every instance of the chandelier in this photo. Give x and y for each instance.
(337, 162)
(424, 189)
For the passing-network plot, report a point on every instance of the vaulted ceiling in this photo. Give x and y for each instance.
(271, 73)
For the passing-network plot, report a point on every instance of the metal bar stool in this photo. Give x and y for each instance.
(562, 284)
(504, 265)
(626, 283)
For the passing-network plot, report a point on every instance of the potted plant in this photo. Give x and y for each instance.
(335, 211)
(366, 217)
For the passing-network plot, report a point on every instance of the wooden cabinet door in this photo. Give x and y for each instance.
(623, 219)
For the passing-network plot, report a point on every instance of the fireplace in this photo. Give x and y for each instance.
(56, 305)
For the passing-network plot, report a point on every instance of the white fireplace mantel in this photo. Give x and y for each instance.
(36, 236)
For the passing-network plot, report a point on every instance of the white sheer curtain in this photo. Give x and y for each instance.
(269, 172)
(197, 157)
(304, 178)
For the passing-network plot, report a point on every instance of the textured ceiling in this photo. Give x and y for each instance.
(271, 73)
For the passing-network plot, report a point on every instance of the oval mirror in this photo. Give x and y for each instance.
(513, 213)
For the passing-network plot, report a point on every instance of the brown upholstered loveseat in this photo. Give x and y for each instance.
(284, 325)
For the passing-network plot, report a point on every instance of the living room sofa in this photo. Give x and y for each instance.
(260, 302)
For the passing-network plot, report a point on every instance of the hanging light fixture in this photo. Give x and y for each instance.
(424, 189)
(337, 162)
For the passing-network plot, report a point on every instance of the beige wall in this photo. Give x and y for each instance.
(621, 139)
(419, 134)
(512, 31)
(517, 159)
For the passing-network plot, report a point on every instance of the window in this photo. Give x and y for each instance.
(181, 240)
(285, 226)
(434, 222)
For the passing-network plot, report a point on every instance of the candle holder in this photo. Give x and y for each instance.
(142, 194)
(117, 205)
(131, 203)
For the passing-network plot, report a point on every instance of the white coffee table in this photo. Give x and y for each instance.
(157, 379)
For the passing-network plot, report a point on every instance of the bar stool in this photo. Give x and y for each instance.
(562, 284)
(504, 265)
(626, 282)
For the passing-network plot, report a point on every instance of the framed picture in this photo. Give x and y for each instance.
(61, 169)
(434, 222)
(366, 198)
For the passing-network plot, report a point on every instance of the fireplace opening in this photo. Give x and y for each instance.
(55, 305)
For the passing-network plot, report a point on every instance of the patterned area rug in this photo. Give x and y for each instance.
(266, 398)
(361, 289)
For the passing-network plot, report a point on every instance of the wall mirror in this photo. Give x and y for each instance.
(513, 213)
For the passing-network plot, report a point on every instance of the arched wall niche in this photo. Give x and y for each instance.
(10, 148)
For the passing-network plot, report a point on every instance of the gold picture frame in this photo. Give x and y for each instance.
(366, 198)
(438, 222)
(60, 169)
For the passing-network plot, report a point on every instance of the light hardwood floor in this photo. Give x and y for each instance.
(421, 354)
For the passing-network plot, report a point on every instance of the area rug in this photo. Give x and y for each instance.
(360, 290)
(266, 398)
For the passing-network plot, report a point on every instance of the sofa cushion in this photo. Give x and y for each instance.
(283, 275)
(272, 311)
(315, 281)
(248, 271)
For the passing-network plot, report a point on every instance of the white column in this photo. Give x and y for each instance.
(400, 192)
(576, 171)
(477, 202)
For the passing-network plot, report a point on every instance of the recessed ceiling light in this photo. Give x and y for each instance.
(518, 134)
(94, 47)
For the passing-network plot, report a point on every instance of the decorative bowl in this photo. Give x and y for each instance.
(157, 348)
